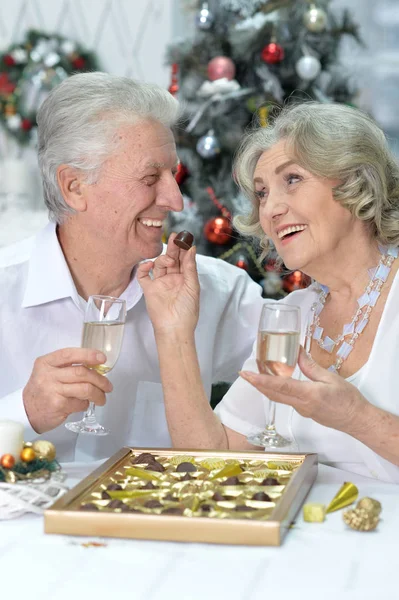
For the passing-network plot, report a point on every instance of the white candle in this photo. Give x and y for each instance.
(11, 438)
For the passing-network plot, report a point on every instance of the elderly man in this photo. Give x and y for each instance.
(107, 157)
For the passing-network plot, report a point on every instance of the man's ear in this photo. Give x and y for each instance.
(71, 184)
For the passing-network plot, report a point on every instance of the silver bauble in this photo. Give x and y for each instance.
(204, 19)
(308, 67)
(315, 19)
(208, 145)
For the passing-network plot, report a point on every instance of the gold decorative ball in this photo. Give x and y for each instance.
(371, 505)
(28, 454)
(315, 20)
(44, 449)
(7, 461)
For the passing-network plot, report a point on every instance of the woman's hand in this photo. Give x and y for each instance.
(172, 293)
(327, 398)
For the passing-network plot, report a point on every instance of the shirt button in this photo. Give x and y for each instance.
(374, 474)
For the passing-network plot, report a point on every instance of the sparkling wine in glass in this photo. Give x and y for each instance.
(276, 354)
(103, 327)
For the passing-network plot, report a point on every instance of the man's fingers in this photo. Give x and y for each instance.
(81, 374)
(84, 391)
(73, 356)
(74, 405)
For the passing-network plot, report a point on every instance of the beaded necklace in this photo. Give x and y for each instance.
(360, 319)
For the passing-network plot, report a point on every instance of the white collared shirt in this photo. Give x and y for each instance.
(40, 311)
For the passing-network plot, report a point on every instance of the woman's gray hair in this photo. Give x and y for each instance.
(333, 141)
(79, 118)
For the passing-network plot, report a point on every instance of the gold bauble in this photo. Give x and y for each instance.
(370, 505)
(361, 519)
(315, 20)
(44, 449)
(28, 454)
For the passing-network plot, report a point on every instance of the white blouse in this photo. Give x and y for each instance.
(243, 407)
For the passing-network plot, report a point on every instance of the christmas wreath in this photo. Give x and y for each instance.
(28, 71)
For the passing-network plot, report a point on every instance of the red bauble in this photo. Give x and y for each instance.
(26, 124)
(8, 60)
(272, 53)
(218, 230)
(221, 66)
(295, 281)
(242, 263)
(181, 173)
(173, 88)
(79, 63)
(6, 86)
(7, 461)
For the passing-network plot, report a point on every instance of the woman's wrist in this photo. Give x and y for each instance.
(174, 335)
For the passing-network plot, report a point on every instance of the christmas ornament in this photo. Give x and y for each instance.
(370, 505)
(361, 519)
(208, 145)
(273, 53)
(204, 19)
(347, 494)
(221, 66)
(7, 461)
(28, 455)
(315, 19)
(244, 8)
(28, 71)
(295, 281)
(174, 84)
(44, 449)
(218, 230)
(181, 173)
(271, 284)
(218, 87)
(308, 67)
(242, 262)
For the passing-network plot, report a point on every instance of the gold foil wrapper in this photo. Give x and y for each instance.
(177, 460)
(371, 505)
(345, 496)
(361, 519)
(314, 512)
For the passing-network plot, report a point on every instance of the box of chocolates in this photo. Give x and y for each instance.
(220, 497)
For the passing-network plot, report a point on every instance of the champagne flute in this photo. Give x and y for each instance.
(103, 327)
(276, 354)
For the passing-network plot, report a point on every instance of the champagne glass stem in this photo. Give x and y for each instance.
(89, 417)
(271, 416)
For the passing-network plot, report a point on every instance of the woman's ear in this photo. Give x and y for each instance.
(70, 181)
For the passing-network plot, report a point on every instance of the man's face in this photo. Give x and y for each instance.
(135, 191)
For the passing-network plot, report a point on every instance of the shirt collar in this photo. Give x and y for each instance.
(49, 277)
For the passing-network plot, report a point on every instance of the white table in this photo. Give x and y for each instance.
(316, 561)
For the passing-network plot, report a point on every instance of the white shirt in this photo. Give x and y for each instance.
(40, 311)
(243, 407)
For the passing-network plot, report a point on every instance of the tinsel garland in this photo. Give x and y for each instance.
(28, 470)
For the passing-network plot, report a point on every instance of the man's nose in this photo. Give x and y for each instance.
(171, 196)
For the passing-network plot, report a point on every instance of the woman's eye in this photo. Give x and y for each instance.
(261, 195)
(292, 178)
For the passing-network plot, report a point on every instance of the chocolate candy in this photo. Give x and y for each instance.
(145, 457)
(186, 467)
(155, 466)
(184, 240)
(171, 498)
(88, 506)
(218, 497)
(153, 504)
(114, 486)
(186, 477)
(231, 481)
(242, 508)
(149, 486)
(105, 495)
(172, 510)
(262, 497)
(115, 503)
(270, 481)
(206, 508)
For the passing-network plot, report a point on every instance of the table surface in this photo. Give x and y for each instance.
(317, 560)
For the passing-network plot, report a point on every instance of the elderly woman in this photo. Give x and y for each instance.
(324, 189)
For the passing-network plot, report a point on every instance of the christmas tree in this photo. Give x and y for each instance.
(247, 58)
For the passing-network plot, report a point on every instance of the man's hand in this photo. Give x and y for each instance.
(60, 384)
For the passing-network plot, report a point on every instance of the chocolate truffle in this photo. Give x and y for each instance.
(153, 504)
(149, 486)
(155, 466)
(186, 477)
(89, 506)
(105, 495)
(269, 481)
(145, 457)
(186, 467)
(242, 508)
(172, 511)
(115, 503)
(184, 240)
(206, 508)
(114, 486)
(262, 497)
(171, 498)
(231, 481)
(218, 497)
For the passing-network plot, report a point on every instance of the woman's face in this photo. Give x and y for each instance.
(297, 211)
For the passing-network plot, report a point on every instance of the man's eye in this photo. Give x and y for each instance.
(150, 179)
